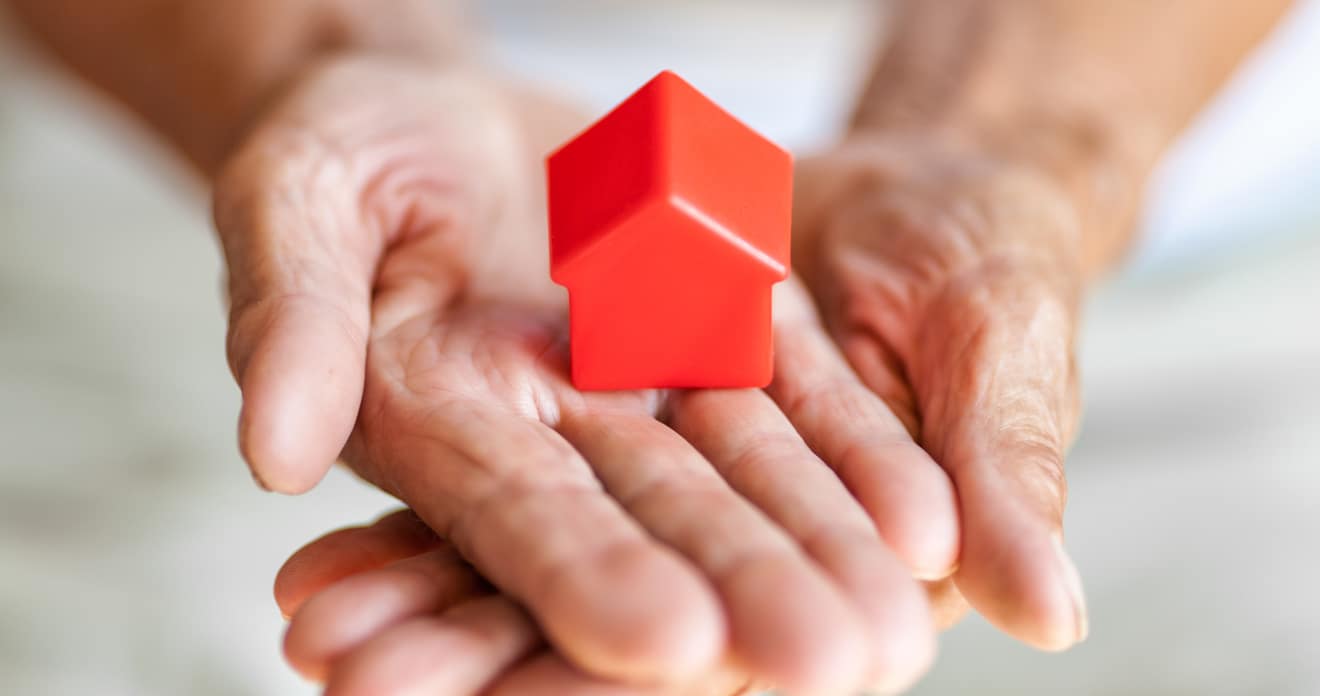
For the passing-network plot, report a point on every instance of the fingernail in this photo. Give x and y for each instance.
(1073, 581)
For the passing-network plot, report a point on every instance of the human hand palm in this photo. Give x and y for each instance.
(388, 278)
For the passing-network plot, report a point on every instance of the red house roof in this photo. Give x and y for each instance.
(669, 143)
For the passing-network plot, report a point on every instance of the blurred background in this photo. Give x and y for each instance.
(136, 557)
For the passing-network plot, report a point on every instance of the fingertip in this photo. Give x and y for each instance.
(815, 669)
(287, 588)
(793, 629)
(320, 564)
(932, 554)
(948, 606)
(280, 455)
(1029, 588)
(913, 504)
(342, 617)
(300, 367)
(899, 625)
(320, 629)
(928, 534)
(1073, 581)
(906, 650)
(348, 552)
(1070, 581)
(664, 624)
(458, 652)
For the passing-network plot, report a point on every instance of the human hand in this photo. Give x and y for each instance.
(391, 608)
(951, 280)
(388, 276)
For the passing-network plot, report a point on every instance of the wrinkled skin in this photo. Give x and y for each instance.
(391, 607)
(389, 296)
(951, 280)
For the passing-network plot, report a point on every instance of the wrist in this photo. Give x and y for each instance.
(1035, 86)
(1097, 159)
(273, 62)
(198, 72)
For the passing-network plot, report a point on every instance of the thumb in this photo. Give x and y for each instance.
(300, 259)
(998, 399)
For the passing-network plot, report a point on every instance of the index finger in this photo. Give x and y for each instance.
(999, 405)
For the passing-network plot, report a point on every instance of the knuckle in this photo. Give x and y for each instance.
(750, 460)
(848, 535)
(835, 398)
(1035, 465)
(520, 493)
(278, 167)
(1011, 344)
(661, 492)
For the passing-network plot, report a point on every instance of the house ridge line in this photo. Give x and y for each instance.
(687, 208)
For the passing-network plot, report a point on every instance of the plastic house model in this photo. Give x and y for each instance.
(669, 224)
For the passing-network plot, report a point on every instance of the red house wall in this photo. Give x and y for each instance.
(675, 306)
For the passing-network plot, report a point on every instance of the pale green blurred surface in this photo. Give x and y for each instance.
(136, 557)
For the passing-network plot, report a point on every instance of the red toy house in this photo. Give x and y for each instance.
(669, 223)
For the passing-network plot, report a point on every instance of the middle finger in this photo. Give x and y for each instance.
(787, 623)
(757, 451)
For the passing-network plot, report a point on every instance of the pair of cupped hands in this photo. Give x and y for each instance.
(384, 229)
